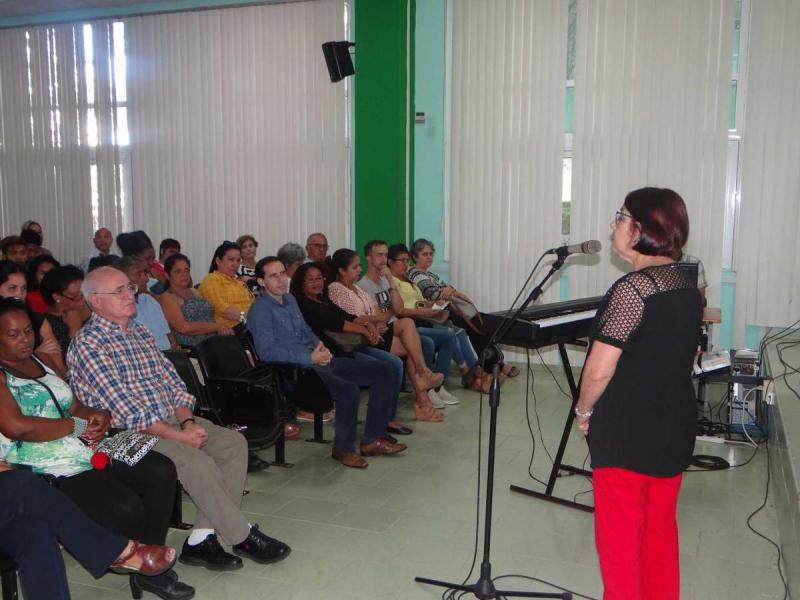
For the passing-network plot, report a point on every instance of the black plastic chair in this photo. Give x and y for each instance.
(244, 395)
(302, 388)
(8, 577)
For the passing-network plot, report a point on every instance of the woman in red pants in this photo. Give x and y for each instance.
(637, 404)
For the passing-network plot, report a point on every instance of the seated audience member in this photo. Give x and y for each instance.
(434, 288)
(34, 272)
(281, 335)
(166, 248)
(14, 249)
(13, 285)
(67, 310)
(102, 241)
(230, 296)
(399, 338)
(148, 310)
(247, 269)
(138, 244)
(317, 247)
(702, 282)
(115, 365)
(292, 256)
(47, 430)
(190, 316)
(35, 226)
(101, 261)
(323, 316)
(35, 518)
(378, 282)
(33, 243)
(463, 354)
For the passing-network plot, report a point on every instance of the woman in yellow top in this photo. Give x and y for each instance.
(230, 296)
(463, 353)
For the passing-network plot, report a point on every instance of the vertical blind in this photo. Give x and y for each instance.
(236, 127)
(767, 275)
(506, 142)
(651, 108)
(59, 162)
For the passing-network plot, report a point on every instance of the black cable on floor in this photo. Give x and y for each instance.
(545, 582)
(530, 381)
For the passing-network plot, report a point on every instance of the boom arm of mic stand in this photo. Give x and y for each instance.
(492, 354)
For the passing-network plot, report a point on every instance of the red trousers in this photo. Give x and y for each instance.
(636, 534)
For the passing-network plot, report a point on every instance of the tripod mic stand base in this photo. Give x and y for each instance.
(484, 589)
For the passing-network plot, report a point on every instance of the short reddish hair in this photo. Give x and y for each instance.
(662, 220)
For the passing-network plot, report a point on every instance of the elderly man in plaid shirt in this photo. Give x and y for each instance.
(114, 363)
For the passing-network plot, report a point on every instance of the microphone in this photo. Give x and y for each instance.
(587, 247)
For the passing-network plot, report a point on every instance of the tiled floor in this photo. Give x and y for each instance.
(366, 534)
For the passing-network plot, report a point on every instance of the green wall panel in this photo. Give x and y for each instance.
(380, 127)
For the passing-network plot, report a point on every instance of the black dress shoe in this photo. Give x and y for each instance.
(261, 548)
(209, 554)
(390, 438)
(165, 586)
(255, 464)
(402, 430)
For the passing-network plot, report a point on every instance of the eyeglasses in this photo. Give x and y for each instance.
(323, 246)
(619, 216)
(131, 287)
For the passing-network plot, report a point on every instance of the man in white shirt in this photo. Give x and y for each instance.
(102, 247)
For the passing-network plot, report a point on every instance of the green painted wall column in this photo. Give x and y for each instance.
(380, 120)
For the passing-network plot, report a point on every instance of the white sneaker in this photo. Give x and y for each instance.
(446, 396)
(435, 400)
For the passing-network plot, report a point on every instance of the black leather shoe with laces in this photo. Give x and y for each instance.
(262, 548)
(209, 554)
(166, 586)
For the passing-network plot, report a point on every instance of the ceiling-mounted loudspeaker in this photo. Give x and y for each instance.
(337, 57)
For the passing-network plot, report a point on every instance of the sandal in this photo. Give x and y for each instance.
(146, 559)
(291, 431)
(511, 372)
(427, 413)
(429, 380)
(468, 378)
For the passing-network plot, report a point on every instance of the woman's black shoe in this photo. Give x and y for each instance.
(402, 430)
(209, 554)
(262, 548)
(165, 586)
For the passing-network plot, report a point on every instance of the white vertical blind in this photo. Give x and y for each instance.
(51, 97)
(767, 272)
(236, 127)
(651, 108)
(506, 102)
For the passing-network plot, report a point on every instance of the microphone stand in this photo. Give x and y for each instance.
(484, 588)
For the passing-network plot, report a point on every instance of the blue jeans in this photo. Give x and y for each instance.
(344, 377)
(451, 346)
(396, 364)
(34, 517)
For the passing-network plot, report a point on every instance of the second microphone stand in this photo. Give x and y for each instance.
(484, 588)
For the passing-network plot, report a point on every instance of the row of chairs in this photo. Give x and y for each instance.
(236, 391)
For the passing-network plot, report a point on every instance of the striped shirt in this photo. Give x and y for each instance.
(125, 373)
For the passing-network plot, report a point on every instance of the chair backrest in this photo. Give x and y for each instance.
(186, 371)
(222, 356)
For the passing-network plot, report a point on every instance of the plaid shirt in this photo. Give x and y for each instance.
(124, 372)
(223, 291)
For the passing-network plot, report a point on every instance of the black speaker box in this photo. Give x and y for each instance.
(337, 57)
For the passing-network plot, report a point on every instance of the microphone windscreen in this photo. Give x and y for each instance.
(592, 247)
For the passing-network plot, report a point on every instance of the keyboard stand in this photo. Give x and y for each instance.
(558, 467)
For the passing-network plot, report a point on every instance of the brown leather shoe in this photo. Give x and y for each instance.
(349, 459)
(145, 559)
(380, 446)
